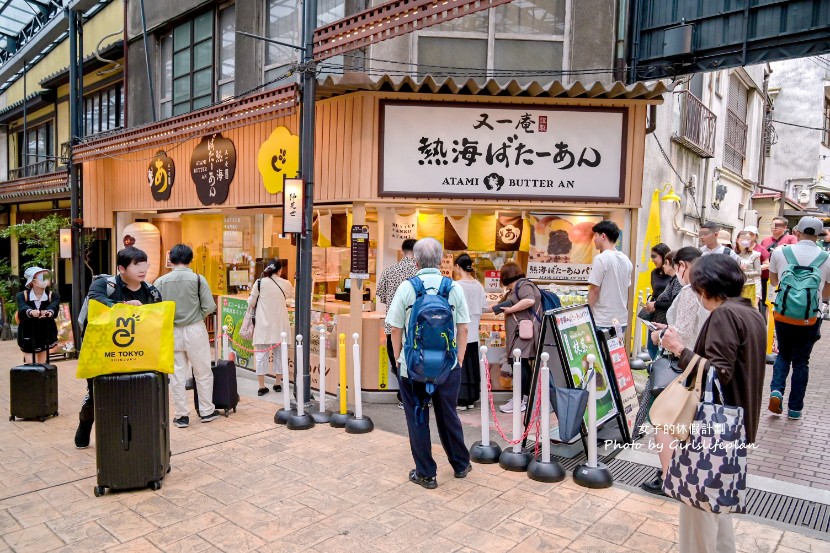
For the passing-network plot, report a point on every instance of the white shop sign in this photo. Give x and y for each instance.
(487, 151)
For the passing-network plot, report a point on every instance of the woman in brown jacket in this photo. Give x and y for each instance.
(733, 341)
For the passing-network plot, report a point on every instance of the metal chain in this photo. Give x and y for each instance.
(534, 421)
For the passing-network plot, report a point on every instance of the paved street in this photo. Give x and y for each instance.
(244, 484)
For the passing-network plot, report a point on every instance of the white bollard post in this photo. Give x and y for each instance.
(514, 459)
(225, 344)
(544, 469)
(358, 424)
(299, 419)
(635, 361)
(281, 417)
(483, 451)
(298, 385)
(545, 410)
(592, 474)
(517, 398)
(322, 416)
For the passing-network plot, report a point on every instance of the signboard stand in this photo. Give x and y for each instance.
(568, 335)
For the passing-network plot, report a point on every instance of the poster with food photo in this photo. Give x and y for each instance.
(561, 247)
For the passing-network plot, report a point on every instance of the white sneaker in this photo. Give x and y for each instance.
(508, 407)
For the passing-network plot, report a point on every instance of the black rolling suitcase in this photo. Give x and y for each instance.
(132, 433)
(33, 391)
(225, 395)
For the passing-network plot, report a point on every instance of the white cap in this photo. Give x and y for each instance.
(752, 229)
(31, 273)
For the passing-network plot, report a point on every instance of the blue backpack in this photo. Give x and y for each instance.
(549, 301)
(430, 348)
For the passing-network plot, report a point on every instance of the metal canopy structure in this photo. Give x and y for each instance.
(668, 38)
(46, 27)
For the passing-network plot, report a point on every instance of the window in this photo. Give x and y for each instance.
(187, 55)
(523, 39)
(735, 145)
(226, 57)
(35, 154)
(104, 110)
(825, 135)
(283, 22)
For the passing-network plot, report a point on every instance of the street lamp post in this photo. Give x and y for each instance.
(302, 311)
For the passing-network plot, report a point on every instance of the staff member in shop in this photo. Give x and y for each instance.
(390, 279)
(194, 302)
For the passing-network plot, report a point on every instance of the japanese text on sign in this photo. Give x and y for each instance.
(502, 151)
(576, 272)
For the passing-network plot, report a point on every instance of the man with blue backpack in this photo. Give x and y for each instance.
(802, 274)
(428, 317)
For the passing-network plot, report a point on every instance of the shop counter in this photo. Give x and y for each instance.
(376, 377)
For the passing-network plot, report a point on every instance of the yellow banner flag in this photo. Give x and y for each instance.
(127, 339)
(644, 264)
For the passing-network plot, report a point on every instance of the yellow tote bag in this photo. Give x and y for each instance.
(127, 339)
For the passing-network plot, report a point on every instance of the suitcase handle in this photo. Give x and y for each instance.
(125, 432)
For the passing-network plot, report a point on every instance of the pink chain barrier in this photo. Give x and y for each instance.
(534, 421)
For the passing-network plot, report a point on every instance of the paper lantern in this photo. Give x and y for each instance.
(146, 237)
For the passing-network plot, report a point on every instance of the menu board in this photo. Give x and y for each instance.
(625, 380)
(360, 252)
(578, 339)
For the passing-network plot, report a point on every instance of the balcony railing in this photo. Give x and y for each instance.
(33, 170)
(696, 130)
(735, 145)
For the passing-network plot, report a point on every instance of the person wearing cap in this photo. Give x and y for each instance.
(465, 275)
(795, 342)
(194, 301)
(780, 237)
(37, 307)
(268, 298)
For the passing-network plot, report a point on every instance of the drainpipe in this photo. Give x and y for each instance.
(25, 157)
(652, 119)
(124, 68)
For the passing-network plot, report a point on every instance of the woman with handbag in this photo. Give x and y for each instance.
(687, 315)
(465, 275)
(661, 276)
(270, 313)
(521, 306)
(732, 343)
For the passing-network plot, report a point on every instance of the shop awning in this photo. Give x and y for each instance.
(352, 82)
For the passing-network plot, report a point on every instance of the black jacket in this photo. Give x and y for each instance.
(36, 334)
(146, 294)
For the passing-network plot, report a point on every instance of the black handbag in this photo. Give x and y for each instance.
(664, 371)
(645, 315)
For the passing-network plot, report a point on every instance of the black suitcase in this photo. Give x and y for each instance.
(132, 432)
(33, 392)
(225, 395)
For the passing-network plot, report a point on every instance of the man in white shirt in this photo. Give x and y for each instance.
(610, 278)
(709, 241)
(795, 342)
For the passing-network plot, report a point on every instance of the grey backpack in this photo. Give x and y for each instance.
(82, 314)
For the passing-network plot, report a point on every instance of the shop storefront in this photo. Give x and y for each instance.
(494, 172)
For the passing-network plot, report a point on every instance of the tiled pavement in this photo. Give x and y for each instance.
(244, 484)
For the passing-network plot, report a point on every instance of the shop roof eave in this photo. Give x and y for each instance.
(353, 82)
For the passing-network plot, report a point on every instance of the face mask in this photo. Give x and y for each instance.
(744, 243)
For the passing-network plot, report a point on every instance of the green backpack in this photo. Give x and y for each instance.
(797, 298)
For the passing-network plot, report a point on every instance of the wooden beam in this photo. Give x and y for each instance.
(388, 20)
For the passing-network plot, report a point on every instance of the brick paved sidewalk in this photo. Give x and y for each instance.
(244, 484)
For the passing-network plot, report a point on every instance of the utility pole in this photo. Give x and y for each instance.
(302, 319)
(75, 78)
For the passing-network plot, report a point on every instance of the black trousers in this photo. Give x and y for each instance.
(87, 413)
(393, 362)
(444, 402)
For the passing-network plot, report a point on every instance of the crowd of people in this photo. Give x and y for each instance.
(706, 301)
